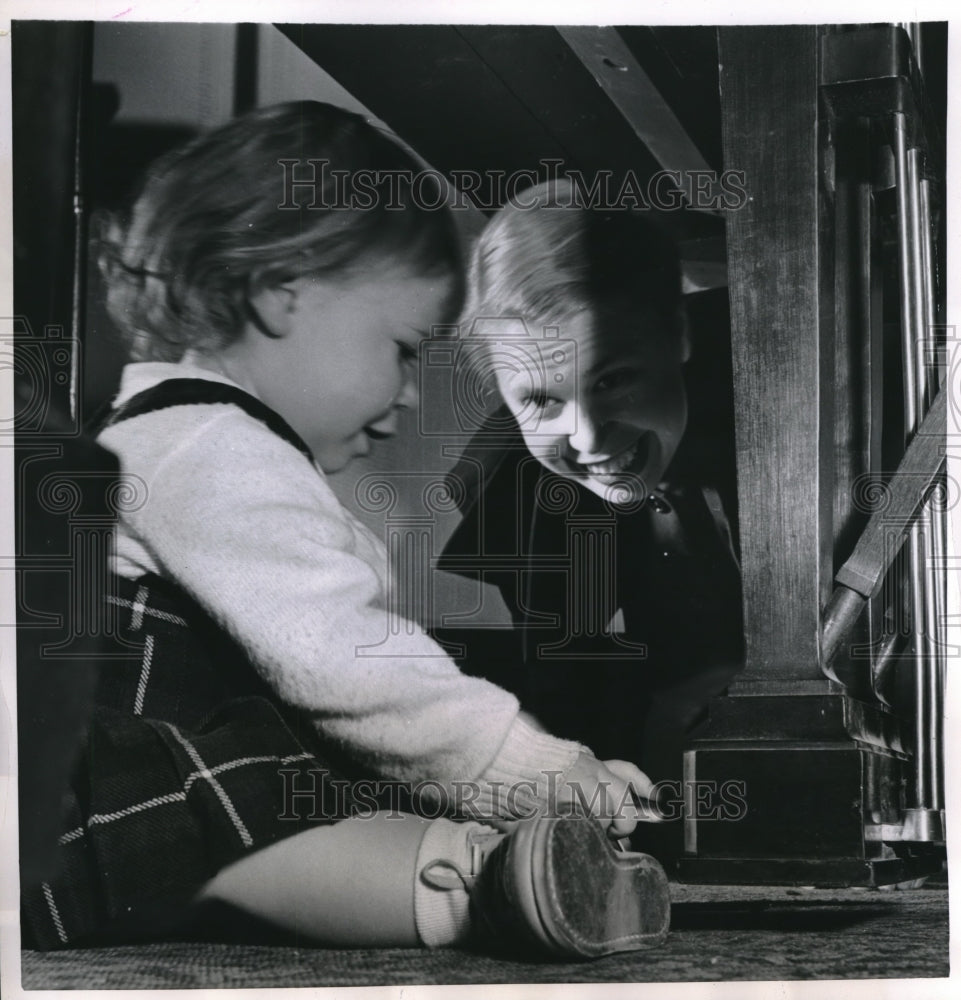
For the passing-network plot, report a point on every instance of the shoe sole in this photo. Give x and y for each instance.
(586, 898)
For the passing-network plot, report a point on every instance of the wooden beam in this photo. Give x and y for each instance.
(612, 64)
(703, 264)
(902, 497)
(780, 268)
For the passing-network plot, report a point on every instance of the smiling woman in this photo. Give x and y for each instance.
(607, 407)
(589, 338)
(600, 520)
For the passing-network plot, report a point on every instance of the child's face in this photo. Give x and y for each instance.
(346, 361)
(603, 403)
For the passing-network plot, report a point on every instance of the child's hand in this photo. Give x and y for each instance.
(615, 791)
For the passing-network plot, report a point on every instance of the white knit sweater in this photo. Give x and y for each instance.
(251, 529)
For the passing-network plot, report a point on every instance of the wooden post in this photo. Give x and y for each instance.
(819, 767)
(781, 282)
(62, 478)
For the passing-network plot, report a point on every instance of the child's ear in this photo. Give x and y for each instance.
(272, 308)
(684, 334)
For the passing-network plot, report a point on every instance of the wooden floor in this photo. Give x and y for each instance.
(719, 934)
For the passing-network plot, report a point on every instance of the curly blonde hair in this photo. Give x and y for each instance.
(214, 222)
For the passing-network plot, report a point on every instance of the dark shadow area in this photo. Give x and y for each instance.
(800, 916)
(117, 154)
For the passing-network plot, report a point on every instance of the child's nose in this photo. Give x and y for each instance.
(584, 435)
(409, 393)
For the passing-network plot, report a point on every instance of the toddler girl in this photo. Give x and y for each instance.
(254, 717)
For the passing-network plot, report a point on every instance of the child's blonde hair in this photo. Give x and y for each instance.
(230, 213)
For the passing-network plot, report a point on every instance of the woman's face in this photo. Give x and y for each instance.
(602, 402)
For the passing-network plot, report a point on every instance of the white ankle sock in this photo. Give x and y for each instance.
(442, 916)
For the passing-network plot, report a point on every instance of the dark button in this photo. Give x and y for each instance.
(659, 504)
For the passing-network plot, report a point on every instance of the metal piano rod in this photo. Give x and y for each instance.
(923, 592)
(936, 514)
(908, 273)
(922, 821)
(913, 31)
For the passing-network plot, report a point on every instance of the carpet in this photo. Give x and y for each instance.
(718, 933)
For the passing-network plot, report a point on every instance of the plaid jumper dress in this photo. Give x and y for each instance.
(190, 760)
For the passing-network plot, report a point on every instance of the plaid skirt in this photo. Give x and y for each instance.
(189, 763)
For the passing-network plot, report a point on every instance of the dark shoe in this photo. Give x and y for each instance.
(557, 885)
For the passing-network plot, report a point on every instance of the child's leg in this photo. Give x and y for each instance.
(389, 881)
(353, 883)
